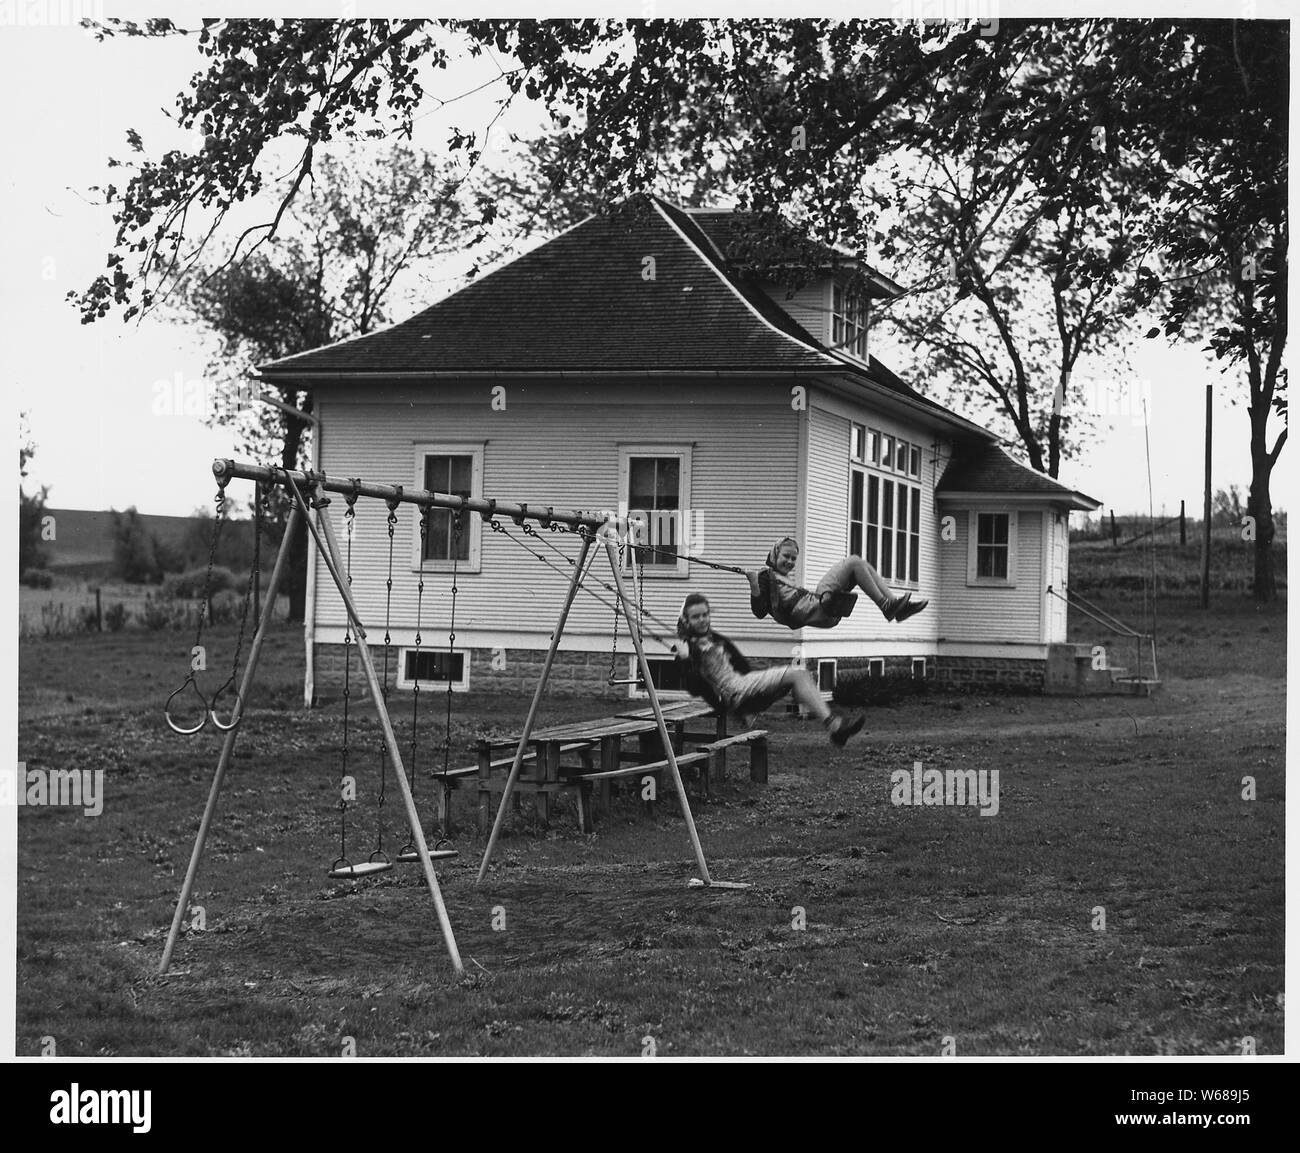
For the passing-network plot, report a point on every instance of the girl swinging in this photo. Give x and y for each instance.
(771, 592)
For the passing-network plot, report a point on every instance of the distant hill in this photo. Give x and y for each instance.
(84, 538)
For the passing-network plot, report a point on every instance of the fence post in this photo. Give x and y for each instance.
(1114, 532)
(1182, 522)
(99, 613)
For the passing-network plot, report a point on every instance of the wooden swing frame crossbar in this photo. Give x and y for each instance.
(543, 514)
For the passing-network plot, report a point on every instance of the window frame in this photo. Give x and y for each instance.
(407, 684)
(873, 525)
(424, 450)
(834, 664)
(626, 451)
(637, 692)
(974, 580)
(850, 322)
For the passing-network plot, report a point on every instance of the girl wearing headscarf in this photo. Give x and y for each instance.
(772, 592)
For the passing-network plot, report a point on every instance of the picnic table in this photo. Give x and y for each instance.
(599, 745)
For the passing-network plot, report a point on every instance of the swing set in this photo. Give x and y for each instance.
(307, 491)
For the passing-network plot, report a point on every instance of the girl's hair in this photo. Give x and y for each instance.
(776, 548)
(683, 626)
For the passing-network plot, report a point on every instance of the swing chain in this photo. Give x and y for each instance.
(190, 679)
(613, 652)
(220, 501)
(236, 712)
(393, 503)
(348, 518)
(451, 628)
(419, 618)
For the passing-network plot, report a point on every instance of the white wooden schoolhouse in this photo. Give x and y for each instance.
(633, 363)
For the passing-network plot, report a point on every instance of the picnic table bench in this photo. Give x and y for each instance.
(603, 759)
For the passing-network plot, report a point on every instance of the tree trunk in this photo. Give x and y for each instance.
(297, 583)
(1261, 508)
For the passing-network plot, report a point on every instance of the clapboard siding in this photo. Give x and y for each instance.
(808, 306)
(985, 613)
(826, 533)
(827, 530)
(558, 443)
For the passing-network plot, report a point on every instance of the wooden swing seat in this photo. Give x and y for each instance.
(347, 871)
(434, 854)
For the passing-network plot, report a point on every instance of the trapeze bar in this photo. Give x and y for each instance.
(225, 470)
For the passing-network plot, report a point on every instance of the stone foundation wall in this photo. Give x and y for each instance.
(494, 671)
(586, 673)
(974, 672)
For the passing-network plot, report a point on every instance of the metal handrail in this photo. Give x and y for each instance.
(1098, 614)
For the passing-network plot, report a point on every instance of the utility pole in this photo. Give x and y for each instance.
(1205, 527)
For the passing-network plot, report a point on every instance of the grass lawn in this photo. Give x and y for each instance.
(921, 927)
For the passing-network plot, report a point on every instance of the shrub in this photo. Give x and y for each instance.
(189, 585)
(115, 617)
(57, 621)
(859, 689)
(87, 619)
(37, 578)
(156, 614)
(226, 606)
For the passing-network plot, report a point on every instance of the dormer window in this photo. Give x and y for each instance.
(849, 322)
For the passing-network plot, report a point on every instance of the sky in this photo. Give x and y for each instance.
(93, 393)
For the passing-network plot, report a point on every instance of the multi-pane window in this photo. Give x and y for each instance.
(885, 510)
(655, 489)
(857, 511)
(886, 562)
(914, 555)
(849, 322)
(453, 475)
(873, 520)
(885, 524)
(993, 546)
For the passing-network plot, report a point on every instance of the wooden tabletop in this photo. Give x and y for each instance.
(621, 725)
(677, 711)
(593, 729)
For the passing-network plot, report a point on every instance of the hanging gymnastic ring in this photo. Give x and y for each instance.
(236, 714)
(167, 708)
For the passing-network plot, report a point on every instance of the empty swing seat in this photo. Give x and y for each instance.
(434, 854)
(345, 870)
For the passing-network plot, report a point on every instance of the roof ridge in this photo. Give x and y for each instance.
(730, 284)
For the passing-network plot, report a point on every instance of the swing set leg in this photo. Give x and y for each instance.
(329, 547)
(228, 743)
